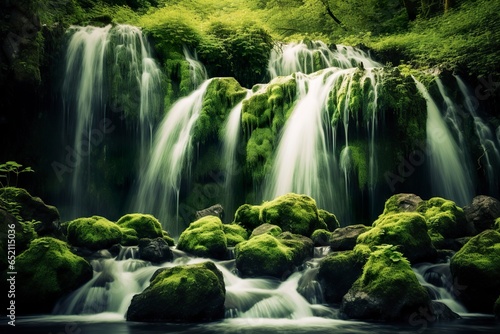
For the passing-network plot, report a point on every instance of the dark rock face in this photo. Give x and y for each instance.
(33, 209)
(344, 238)
(482, 212)
(185, 294)
(215, 210)
(155, 250)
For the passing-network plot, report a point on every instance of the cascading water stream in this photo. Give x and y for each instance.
(102, 64)
(160, 181)
(490, 145)
(196, 68)
(449, 178)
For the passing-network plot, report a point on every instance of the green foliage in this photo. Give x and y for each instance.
(14, 168)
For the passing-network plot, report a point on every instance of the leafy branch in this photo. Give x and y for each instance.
(8, 169)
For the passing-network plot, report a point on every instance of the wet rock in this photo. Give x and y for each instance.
(185, 294)
(482, 212)
(387, 290)
(402, 203)
(155, 250)
(215, 210)
(344, 238)
(205, 238)
(321, 238)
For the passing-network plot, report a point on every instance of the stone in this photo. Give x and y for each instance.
(215, 210)
(94, 233)
(482, 212)
(205, 238)
(155, 250)
(344, 238)
(182, 294)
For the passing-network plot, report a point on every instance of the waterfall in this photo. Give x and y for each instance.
(160, 180)
(449, 177)
(490, 146)
(196, 68)
(110, 77)
(311, 57)
(232, 131)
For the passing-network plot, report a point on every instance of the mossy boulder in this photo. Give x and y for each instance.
(31, 209)
(204, 238)
(444, 218)
(49, 271)
(266, 228)
(387, 289)
(129, 237)
(407, 230)
(234, 234)
(344, 238)
(185, 294)
(476, 268)
(331, 221)
(264, 255)
(294, 213)
(321, 237)
(93, 233)
(302, 247)
(146, 226)
(337, 273)
(402, 203)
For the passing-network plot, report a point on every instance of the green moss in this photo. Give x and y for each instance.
(49, 270)
(321, 237)
(186, 293)
(391, 288)
(259, 151)
(93, 233)
(263, 255)
(204, 238)
(475, 269)
(129, 237)
(337, 273)
(221, 96)
(234, 234)
(266, 228)
(330, 219)
(293, 213)
(444, 218)
(407, 230)
(146, 226)
(302, 247)
(360, 165)
(247, 216)
(170, 241)
(496, 226)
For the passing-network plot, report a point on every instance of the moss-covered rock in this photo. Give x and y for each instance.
(482, 212)
(49, 271)
(476, 268)
(234, 234)
(93, 233)
(166, 236)
(189, 293)
(221, 96)
(387, 289)
(129, 237)
(302, 247)
(337, 273)
(407, 230)
(331, 221)
(321, 237)
(146, 226)
(445, 219)
(264, 255)
(27, 208)
(294, 213)
(266, 228)
(401, 203)
(204, 238)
